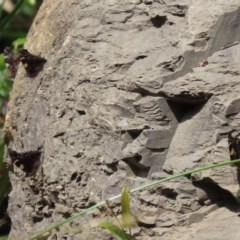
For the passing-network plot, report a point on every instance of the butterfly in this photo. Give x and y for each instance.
(234, 147)
(33, 64)
(12, 61)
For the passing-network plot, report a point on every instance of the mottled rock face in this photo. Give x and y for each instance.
(132, 90)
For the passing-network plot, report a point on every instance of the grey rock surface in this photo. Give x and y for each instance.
(131, 91)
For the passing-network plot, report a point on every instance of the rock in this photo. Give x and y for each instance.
(132, 90)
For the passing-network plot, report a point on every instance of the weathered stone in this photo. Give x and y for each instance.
(158, 139)
(131, 90)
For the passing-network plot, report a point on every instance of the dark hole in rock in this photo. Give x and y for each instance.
(81, 112)
(66, 215)
(182, 110)
(141, 57)
(135, 133)
(158, 21)
(113, 167)
(60, 134)
(214, 192)
(77, 155)
(37, 219)
(74, 176)
(148, 2)
(118, 65)
(28, 161)
(138, 169)
(79, 178)
(47, 214)
(40, 208)
(169, 193)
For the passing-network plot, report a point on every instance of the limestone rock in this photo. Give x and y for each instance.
(132, 90)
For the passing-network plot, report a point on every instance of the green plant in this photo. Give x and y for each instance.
(16, 20)
(127, 219)
(149, 185)
(4, 238)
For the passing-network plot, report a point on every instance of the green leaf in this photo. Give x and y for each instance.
(19, 43)
(2, 62)
(127, 218)
(32, 2)
(114, 230)
(4, 237)
(10, 16)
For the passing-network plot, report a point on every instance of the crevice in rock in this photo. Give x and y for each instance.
(158, 21)
(37, 219)
(169, 193)
(148, 3)
(141, 57)
(180, 109)
(113, 167)
(77, 155)
(76, 177)
(81, 112)
(60, 134)
(138, 169)
(28, 161)
(134, 133)
(214, 192)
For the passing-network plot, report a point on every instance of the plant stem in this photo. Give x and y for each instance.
(142, 187)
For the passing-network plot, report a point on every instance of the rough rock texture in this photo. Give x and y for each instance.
(131, 91)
